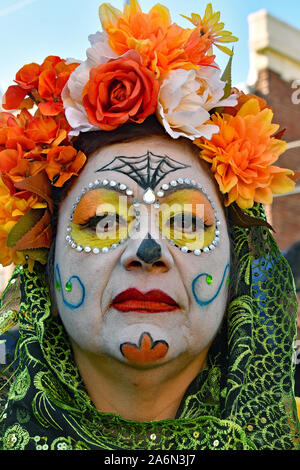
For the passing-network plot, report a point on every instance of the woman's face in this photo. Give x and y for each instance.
(132, 280)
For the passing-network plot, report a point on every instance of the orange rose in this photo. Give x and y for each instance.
(122, 90)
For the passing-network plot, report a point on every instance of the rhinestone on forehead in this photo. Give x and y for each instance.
(187, 182)
(106, 183)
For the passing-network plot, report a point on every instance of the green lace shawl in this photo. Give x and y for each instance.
(243, 400)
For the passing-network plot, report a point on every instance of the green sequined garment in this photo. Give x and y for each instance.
(243, 400)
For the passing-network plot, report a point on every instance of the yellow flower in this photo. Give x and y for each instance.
(210, 25)
(12, 208)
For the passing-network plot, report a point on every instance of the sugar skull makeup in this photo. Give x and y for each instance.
(147, 296)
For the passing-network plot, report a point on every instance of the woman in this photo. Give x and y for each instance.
(159, 332)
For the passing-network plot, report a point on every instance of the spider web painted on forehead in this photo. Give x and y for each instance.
(147, 170)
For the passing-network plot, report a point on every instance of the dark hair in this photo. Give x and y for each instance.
(88, 142)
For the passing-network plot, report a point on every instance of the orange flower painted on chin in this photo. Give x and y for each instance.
(242, 153)
(146, 352)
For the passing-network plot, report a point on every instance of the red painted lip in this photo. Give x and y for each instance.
(154, 301)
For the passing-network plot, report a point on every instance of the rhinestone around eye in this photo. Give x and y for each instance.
(114, 246)
(123, 187)
(187, 181)
(165, 187)
(173, 183)
(74, 245)
(113, 184)
(212, 247)
(91, 185)
(129, 192)
(79, 248)
(180, 181)
(105, 249)
(197, 252)
(88, 249)
(206, 249)
(160, 194)
(105, 182)
(217, 233)
(184, 249)
(68, 238)
(96, 251)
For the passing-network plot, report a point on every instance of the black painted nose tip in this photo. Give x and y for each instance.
(149, 250)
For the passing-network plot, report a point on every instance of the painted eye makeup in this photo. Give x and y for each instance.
(187, 216)
(105, 216)
(101, 218)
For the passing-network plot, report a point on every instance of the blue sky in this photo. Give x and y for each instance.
(32, 29)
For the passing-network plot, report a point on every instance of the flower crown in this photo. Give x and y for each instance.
(141, 64)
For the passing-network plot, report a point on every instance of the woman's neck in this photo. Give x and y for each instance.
(134, 394)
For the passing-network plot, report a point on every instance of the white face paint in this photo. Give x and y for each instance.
(182, 316)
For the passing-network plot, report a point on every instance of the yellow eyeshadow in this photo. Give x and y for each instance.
(102, 218)
(185, 208)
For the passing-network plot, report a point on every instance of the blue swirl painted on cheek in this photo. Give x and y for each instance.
(203, 303)
(59, 283)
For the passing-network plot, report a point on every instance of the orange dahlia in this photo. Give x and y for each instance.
(242, 154)
(163, 45)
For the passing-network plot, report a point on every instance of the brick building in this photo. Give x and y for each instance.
(275, 74)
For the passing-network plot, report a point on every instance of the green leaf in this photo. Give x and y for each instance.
(241, 219)
(26, 223)
(226, 77)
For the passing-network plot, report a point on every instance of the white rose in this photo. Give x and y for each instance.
(185, 99)
(98, 53)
